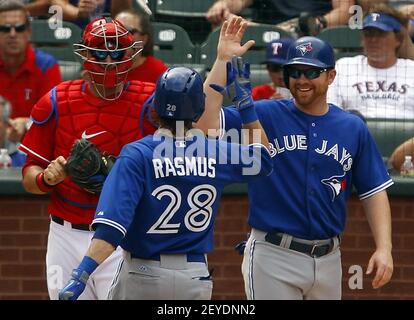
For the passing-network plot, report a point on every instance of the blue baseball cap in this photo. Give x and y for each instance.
(381, 21)
(277, 50)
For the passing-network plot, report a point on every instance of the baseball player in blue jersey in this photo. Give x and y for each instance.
(319, 153)
(161, 198)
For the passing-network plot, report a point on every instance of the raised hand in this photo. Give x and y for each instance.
(231, 35)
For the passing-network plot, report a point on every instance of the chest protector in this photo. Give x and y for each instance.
(108, 124)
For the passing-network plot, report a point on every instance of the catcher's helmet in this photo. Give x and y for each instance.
(105, 37)
(311, 51)
(179, 94)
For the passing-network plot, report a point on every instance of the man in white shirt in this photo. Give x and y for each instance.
(379, 85)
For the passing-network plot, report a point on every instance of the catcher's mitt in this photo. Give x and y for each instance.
(87, 166)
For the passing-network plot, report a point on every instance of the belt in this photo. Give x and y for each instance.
(83, 227)
(313, 250)
(191, 257)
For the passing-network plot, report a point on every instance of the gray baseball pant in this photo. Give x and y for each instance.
(274, 272)
(171, 278)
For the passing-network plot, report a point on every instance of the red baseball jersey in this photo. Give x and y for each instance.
(35, 77)
(149, 71)
(69, 112)
(265, 91)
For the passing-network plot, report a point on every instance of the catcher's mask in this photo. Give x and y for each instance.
(107, 51)
(179, 94)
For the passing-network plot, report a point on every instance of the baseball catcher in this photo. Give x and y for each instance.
(87, 166)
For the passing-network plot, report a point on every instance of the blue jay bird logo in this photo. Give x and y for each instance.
(304, 48)
(336, 184)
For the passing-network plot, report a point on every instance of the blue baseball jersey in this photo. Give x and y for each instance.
(316, 160)
(163, 194)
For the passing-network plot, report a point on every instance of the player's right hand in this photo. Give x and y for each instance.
(75, 286)
(230, 39)
(55, 171)
(238, 87)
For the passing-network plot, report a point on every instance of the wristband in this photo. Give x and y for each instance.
(247, 110)
(41, 183)
(88, 265)
(84, 270)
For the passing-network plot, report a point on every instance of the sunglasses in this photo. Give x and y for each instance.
(101, 55)
(6, 28)
(308, 73)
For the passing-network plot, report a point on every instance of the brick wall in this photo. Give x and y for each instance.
(23, 238)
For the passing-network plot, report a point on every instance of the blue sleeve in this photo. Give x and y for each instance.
(247, 162)
(122, 191)
(369, 172)
(255, 161)
(231, 123)
(108, 233)
(229, 119)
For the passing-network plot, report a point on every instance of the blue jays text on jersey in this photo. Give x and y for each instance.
(317, 160)
(299, 142)
(167, 203)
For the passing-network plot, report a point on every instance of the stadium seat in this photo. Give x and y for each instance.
(57, 41)
(261, 33)
(188, 14)
(345, 41)
(173, 45)
(390, 133)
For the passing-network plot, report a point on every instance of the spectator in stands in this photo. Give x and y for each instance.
(406, 49)
(379, 85)
(316, 14)
(82, 12)
(26, 74)
(146, 67)
(404, 149)
(18, 157)
(276, 53)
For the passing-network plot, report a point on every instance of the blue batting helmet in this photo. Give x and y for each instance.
(311, 51)
(179, 94)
